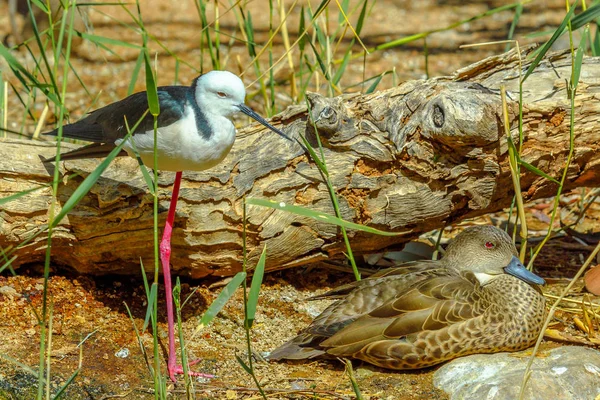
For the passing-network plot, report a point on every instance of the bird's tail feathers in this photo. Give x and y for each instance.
(81, 131)
(301, 347)
(94, 150)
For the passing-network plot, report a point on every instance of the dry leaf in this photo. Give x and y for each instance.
(592, 280)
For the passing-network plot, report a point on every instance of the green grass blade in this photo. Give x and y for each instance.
(361, 18)
(318, 216)
(221, 300)
(147, 178)
(538, 171)
(102, 46)
(50, 33)
(148, 292)
(322, 38)
(301, 28)
(151, 92)
(321, 7)
(136, 73)
(248, 26)
(314, 156)
(342, 68)
(21, 72)
(152, 296)
(103, 40)
(257, 279)
(244, 365)
(586, 17)
(41, 5)
(550, 42)
(513, 25)
(422, 35)
(7, 263)
(66, 384)
(375, 83)
(579, 57)
(145, 173)
(343, 5)
(139, 340)
(353, 382)
(322, 65)
(595, 46)
(205, 36)
(19, 364)
(15, 196)
(81, 83)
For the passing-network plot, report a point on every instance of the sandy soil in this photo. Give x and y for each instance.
(94, 309)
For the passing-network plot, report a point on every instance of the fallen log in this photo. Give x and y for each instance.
(409, 159)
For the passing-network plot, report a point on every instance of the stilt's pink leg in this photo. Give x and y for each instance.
(165, 256)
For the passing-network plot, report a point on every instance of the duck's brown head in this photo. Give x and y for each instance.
(487, 252)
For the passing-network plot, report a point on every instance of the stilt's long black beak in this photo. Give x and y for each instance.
(518, 270)
(249, 112)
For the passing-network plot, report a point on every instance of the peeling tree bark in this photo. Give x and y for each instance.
(408, 159)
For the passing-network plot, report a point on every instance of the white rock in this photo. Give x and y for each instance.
(568, 372)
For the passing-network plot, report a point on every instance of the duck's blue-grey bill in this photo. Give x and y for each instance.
(249, 112)
(516, 269)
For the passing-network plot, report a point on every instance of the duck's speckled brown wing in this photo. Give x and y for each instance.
(362, 297)
(391, 305)
(390, 332)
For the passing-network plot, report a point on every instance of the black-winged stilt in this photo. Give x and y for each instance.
(194, 133)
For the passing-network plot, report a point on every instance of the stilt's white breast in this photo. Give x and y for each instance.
(181, 147)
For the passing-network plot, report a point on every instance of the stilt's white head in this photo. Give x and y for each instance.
(220, 93)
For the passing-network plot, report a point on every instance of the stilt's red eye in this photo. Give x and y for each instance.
(489, 245)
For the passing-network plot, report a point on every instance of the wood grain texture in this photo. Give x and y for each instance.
(409, 159)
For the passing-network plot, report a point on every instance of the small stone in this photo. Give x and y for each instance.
(122, 353)
(9, 291)
(363, 372)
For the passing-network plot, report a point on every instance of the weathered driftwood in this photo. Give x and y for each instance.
(408, 159)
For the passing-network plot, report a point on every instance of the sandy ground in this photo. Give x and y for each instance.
(93, 309)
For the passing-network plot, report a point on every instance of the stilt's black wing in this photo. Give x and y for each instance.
(107, 124)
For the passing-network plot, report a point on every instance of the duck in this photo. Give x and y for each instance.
(478, 298)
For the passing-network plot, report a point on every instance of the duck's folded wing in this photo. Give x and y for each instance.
(370, 294)
(360, 299)
(412, 270)
(432, 305)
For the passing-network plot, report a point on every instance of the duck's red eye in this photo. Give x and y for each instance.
(222, 94)
(489, 245)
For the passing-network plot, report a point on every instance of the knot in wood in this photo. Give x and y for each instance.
(438, 116)
(325, 114)
(463, 115)
(327, 121)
